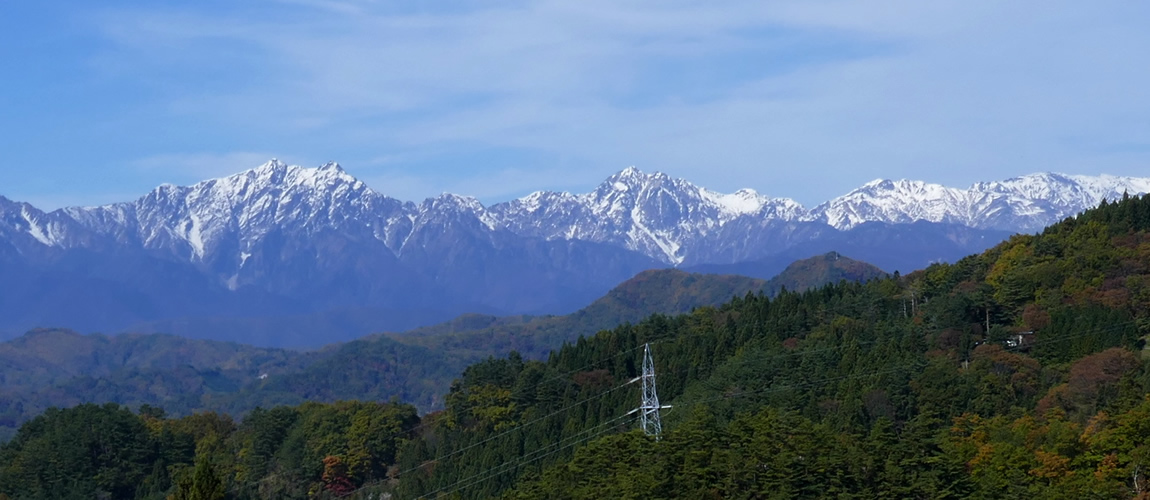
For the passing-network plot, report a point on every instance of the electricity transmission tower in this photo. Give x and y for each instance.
(649, 409)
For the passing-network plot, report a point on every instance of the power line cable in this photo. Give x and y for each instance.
(525, 459)
(517, 428)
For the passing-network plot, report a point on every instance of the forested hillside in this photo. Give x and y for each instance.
(898, 388)
(1017, 373)
(93, 451)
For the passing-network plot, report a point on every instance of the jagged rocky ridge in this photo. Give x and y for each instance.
(279, 244)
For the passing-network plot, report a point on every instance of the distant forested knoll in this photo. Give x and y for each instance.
(1017, 373)
(817, 271)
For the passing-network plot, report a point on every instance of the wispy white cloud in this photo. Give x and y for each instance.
(770, 95)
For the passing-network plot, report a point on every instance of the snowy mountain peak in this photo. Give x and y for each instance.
(19, 220)
(455, 202)
(276, 173)
(631, 179)
(331, 165)
(234, 213)
(741, 202)
(448, 206)
(629, 172)
(890, 201)
(273, 163)
(653, 213)
(900, 185)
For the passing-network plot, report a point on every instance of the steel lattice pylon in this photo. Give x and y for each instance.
(649, 410)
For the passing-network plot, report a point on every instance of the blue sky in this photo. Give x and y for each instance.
(101, 101)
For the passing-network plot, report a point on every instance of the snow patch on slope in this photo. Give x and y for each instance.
(34, 228)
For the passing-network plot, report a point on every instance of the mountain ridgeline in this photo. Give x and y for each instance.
(289, 256)
(1015, 373)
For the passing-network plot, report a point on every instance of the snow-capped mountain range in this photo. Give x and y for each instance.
(675, 221)
(1021, 204)
(280, 238)
(670, 220)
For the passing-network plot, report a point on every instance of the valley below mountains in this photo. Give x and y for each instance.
(287, 256)
(46, 368)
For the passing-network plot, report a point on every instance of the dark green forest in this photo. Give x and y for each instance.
(1017, 373)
